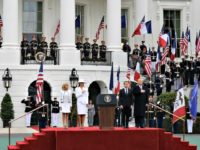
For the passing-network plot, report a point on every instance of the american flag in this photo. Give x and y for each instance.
(198, 45)
(1, 22)
(39, 85)
(101, 26)
(165, 53)
(184, 42)
(128, 74)
(148, 65)
(57, 29)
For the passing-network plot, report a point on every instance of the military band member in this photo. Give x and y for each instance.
(186, 64)
(34, 46)
(53, 49)
(153, 54)
(198, 67)
(43, 46)
(95, 48)
(24, 48)
(102, 51)
(55, 112)
(177, 76)
(159, 84)
(86, 49)
(192, 70)
(168, 78)
(30, 105)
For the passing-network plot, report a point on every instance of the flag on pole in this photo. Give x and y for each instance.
(143, 28)
(117, 89)
(198, 45)
(78, 22)
(173, 49)
(1, 22)
(148, 65)
(123, 22)
(137, 72)
(179, 105)
(158, 58)
(111, 85)
(163, 38)
(39, 85)
(184, 42)
(164, 55)
(193, 101)
(128, 73)
(57, 29)
(101, 26)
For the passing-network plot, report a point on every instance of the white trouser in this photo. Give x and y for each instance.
(28, 119)
(189, 125)
(153, 65)
(54, 119)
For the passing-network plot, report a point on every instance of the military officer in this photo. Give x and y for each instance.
(95, 48)
(53, 49)
(34, 46)
(29, 105)
(102, 51)
(153, 54)
(24, 48)
(86, 49)
(55, 112)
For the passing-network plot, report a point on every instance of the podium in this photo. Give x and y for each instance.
(106, 108)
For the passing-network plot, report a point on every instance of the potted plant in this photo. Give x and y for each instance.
(7, 112)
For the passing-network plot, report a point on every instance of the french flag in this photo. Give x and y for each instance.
(143, 28)
(173, 49)
(137, 72)
(163, 40)
(117, 88)
(158, 59)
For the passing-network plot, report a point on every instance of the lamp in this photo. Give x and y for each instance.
(74, 78)
(7, 79)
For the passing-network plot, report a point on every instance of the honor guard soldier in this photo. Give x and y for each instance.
(198, 67)
(190, 121)
(95, 48)
(24, 48)
(79, 44)
(43, 46)
(186, 70)
(102, 51)
(192, 70)
(153, 54)
(53, 49)
(177, 76)
(34, 46)
(29, 106)
(55, 112)
(168, 78)
(1, 39)
(42, 116)
(151, 87)
(135, 55)
(142, 46)
(86, 49)
(159, 84)
(160, 115)
(150, 113)
(126, 48)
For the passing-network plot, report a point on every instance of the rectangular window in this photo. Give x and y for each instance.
(32, 18)
(124, 25)
(172, 24)
(79, 22)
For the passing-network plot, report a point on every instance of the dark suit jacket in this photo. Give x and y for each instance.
(125, 99)
(141, 99)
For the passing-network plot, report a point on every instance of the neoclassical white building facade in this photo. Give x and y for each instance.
(15, 20)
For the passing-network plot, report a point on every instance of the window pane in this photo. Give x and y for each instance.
(79, 25)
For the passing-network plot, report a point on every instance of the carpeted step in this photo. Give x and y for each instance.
(192, 147)
(13, 147)
(30, 139)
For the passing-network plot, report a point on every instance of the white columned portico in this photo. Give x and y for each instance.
(114, 32)
(68, 54)
(10, 54)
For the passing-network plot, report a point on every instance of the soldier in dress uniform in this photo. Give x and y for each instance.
(102, 51)
(160, 115)
(142, 46)
(53, 49)
(42, 116)
(79, 44)
(1, 41)
(151, 87)
(150, 113)
(198, 67)
(126, 47)
(186, 70)
(86, 49)
(153, 54)
(30, 105)
(24, 48)
(95, 48)
(55, 112)
(135, 55)
(177, 76)
(189, 120)
(34, 46)
(192, 70)
(159, 84)
(43, 46)
(168, 78)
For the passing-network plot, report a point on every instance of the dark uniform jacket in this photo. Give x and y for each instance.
(102, 49)
(30, 105)
(55, 107)
(153, 56)
(79, 46)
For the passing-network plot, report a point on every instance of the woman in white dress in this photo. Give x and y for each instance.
(82, 102)
(66, 103)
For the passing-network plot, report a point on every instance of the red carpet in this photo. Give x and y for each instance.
(95, 139)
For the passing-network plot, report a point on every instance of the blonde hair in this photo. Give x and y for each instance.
(65, 86)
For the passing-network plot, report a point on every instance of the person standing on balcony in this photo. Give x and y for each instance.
(24, 48)
(55, 112)
(86, 49)
(95, 48)
(53, 50)
(43, 46)
(82, 102)
(30, 105)
(102, 49)
(34, 47)
(66, 103)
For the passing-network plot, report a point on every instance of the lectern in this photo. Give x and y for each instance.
(106, 108)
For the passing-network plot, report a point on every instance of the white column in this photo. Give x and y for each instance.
(113, 25)
(10, 54)
(68, 53)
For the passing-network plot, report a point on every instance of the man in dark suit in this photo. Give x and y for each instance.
(125, 102)
(141, 94)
